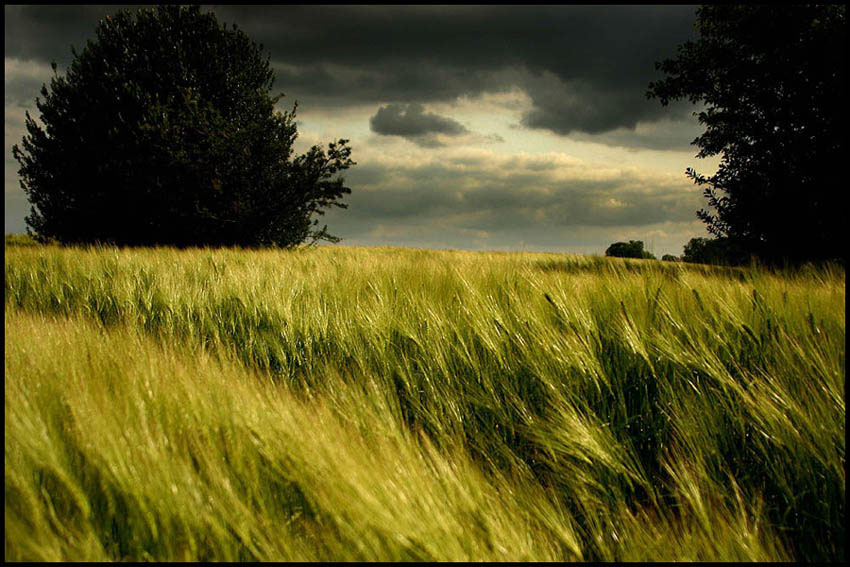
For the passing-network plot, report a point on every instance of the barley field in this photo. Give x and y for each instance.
(379, 404)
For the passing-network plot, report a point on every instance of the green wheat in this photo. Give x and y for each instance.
(384, 404)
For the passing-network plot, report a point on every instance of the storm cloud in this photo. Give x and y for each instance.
(586, 68)
(412, 122)
(46, 33)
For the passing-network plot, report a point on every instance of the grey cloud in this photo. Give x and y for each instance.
(663, 134)
(426, 129)
(597, 60)
(16, 209)
(579, 106)
(21, 91)
(366, 175)
(16, 206)
(333, 85)
(564, 108)
(413, 123)
(450, 233)
(430, 141)
(571, 41)
(23, 81)
(521, 199)
(46, 33)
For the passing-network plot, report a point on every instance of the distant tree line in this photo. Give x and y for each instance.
(721, 251)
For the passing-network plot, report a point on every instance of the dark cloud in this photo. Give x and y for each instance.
(586, 68)
(332, 85)
(46, 33)
(659, 135)
(574, 42)
(413, 123)
(578, 106)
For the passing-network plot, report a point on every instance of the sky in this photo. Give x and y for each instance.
(473, 127)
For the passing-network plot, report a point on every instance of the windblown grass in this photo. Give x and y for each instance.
(384, 404)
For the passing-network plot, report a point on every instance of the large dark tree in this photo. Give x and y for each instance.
(773, 82)
(163, 131)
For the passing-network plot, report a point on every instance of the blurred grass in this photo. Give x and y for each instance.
(20, 240)
(384, 404)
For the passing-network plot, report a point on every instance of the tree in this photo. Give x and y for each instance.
(163, 131)
(714, 251)
(772, 79)
(630, 249)
(670, 258)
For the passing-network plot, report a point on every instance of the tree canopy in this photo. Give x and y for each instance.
(714, 251)
(773, 81)
(630, 249)
(163, 131)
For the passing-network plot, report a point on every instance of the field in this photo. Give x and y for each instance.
(380, 404)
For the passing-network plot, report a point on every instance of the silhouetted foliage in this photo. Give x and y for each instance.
(163, 131)
(670, 258)
(721, 251)
(630, 249)
(772, 78)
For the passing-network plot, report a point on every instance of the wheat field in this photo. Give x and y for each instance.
(379, 404)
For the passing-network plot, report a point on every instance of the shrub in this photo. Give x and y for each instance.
(630, 249)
